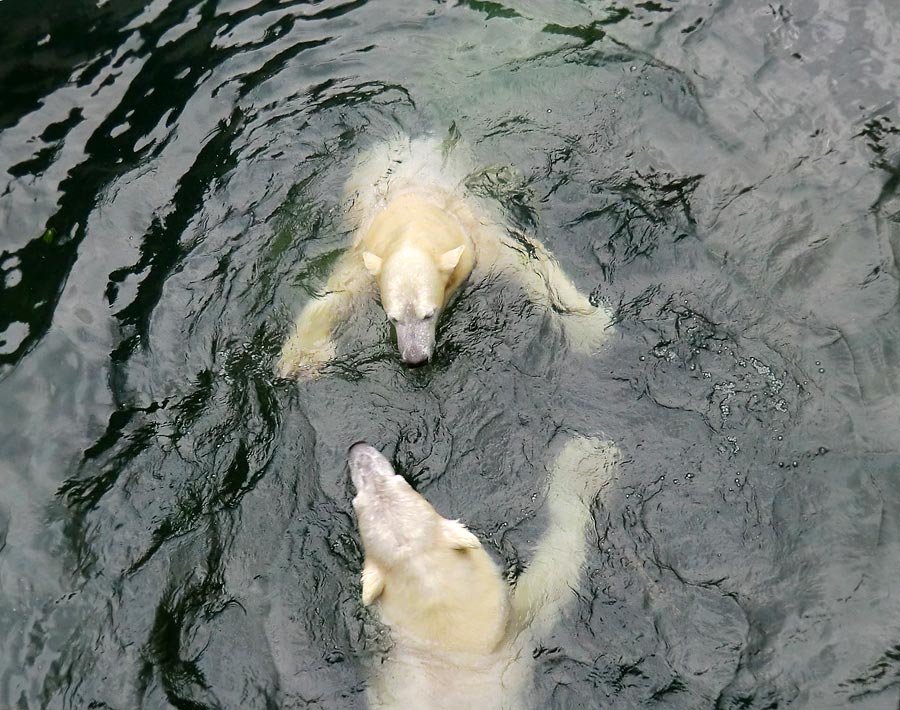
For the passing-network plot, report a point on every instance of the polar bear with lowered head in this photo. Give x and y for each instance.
(419, 234)
(461, 637)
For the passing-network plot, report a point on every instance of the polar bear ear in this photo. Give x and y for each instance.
(458, 536)
(372, 262)
(372, 583)
(449, 259)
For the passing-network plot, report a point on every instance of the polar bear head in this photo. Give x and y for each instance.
(433, 581)
(414, 290)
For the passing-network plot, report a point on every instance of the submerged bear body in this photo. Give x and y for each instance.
(418, 235)
(462, 638)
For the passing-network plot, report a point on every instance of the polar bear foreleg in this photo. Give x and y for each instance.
(545, 282)
(311, 345)
(584, 466)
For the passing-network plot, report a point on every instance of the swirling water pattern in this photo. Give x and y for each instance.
(175, 528)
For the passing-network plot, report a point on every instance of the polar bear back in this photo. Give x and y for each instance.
(431, 679)
(391, 167)
(421, 170)
(452, 599)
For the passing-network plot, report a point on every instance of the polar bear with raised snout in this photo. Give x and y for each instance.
(419, 234)
(461, 637)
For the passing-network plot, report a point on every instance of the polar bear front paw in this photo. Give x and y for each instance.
(586, 331)
(584, 466)
(303, 363)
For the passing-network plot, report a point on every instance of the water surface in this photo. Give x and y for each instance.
(175, 527)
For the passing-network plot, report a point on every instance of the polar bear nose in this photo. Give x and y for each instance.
(361, 448)
(365, 463)
(415, 356)
(363, 457)
(415, 341)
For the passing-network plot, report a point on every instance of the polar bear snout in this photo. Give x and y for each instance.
(366, 465)
(415, 341)
(416, 356)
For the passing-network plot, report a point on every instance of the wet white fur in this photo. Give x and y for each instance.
(418, 235)
(461, 637)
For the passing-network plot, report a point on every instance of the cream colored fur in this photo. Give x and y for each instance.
(419, 234)
(461, 637)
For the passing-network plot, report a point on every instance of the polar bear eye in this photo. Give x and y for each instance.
(429, 315)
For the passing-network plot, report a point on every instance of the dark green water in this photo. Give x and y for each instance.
(175, 526)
